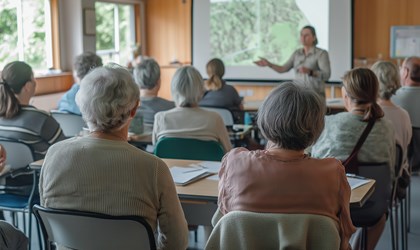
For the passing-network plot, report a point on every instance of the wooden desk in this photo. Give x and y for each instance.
(334, 105)
(199, 199)
(206, 190)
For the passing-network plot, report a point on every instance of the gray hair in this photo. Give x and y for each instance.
(187, 87)
(388, 77)
(106, 97)
(292, 116)
(147, 74)
(85, 62)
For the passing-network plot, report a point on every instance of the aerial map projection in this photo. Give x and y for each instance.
(243, 30)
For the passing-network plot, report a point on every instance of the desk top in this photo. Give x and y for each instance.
(206, 190)
(332, 103)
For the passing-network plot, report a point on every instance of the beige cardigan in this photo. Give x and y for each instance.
(248, 230)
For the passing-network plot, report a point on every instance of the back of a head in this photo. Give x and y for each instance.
(85, 62)
(14, 76)
(215, 70)
(362, 88)
(187, 87)
(292, 116)
(413, 65)
(147, 73)
(106, 97)
(389, 78)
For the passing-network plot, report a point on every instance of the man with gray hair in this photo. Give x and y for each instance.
(408, 96)
(83, 64)
(147, 77)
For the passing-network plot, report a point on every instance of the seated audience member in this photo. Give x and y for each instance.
(389, 83)
(82, 65)
(147, 76)
(12, 238)
(408, 96)
(343, 130)
(20, 121)
(188, 120)
(218, 93)
(291, 118)
(103, 173)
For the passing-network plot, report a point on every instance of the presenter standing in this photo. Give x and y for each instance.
(311, 64)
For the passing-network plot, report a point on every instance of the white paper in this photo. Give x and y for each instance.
(356, 182)
(210, 166)
(186, 175)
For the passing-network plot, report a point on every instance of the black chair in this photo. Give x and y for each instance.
(20, 190)
(414, 165)
(396, 203)
(93, 231)
(377, 205)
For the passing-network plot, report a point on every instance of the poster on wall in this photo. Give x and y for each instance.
(405, 41)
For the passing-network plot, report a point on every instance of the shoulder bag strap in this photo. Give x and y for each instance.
(360, 142)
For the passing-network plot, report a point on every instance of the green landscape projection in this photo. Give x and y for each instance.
(243, 30)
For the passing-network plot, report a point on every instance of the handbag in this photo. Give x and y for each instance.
(351, 164)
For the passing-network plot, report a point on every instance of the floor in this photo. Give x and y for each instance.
(384, 243)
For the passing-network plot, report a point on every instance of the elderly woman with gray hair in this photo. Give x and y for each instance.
(187, 120)
(102, 173)
(389, 82)
(291, 118)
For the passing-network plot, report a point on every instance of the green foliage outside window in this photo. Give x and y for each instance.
(114, 48)
(33, 43)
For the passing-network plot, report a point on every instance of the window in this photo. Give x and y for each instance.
(25, 33)
(115, 32)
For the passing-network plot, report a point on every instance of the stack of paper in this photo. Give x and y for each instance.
(185, 175)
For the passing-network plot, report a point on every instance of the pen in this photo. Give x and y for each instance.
(356, 176)
(192, 170)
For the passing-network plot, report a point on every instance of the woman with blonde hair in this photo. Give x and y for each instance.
(187, 119)
(389, 82)
(218, 93)
(343, 130)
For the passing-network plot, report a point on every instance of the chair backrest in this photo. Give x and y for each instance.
(19, 155)
(226, 115)
(84, 230)
(378, 203)
(71, 124)
(249, 230)
(189, 149)
(414, 150)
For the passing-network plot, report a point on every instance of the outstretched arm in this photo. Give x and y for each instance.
(265, 63)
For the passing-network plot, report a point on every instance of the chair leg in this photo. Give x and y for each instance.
(408, 207)
(25, 229)
(30, 230)
(403, 227)
(364, 239)
(392, 227)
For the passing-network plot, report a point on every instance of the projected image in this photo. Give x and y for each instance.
(243, 30)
